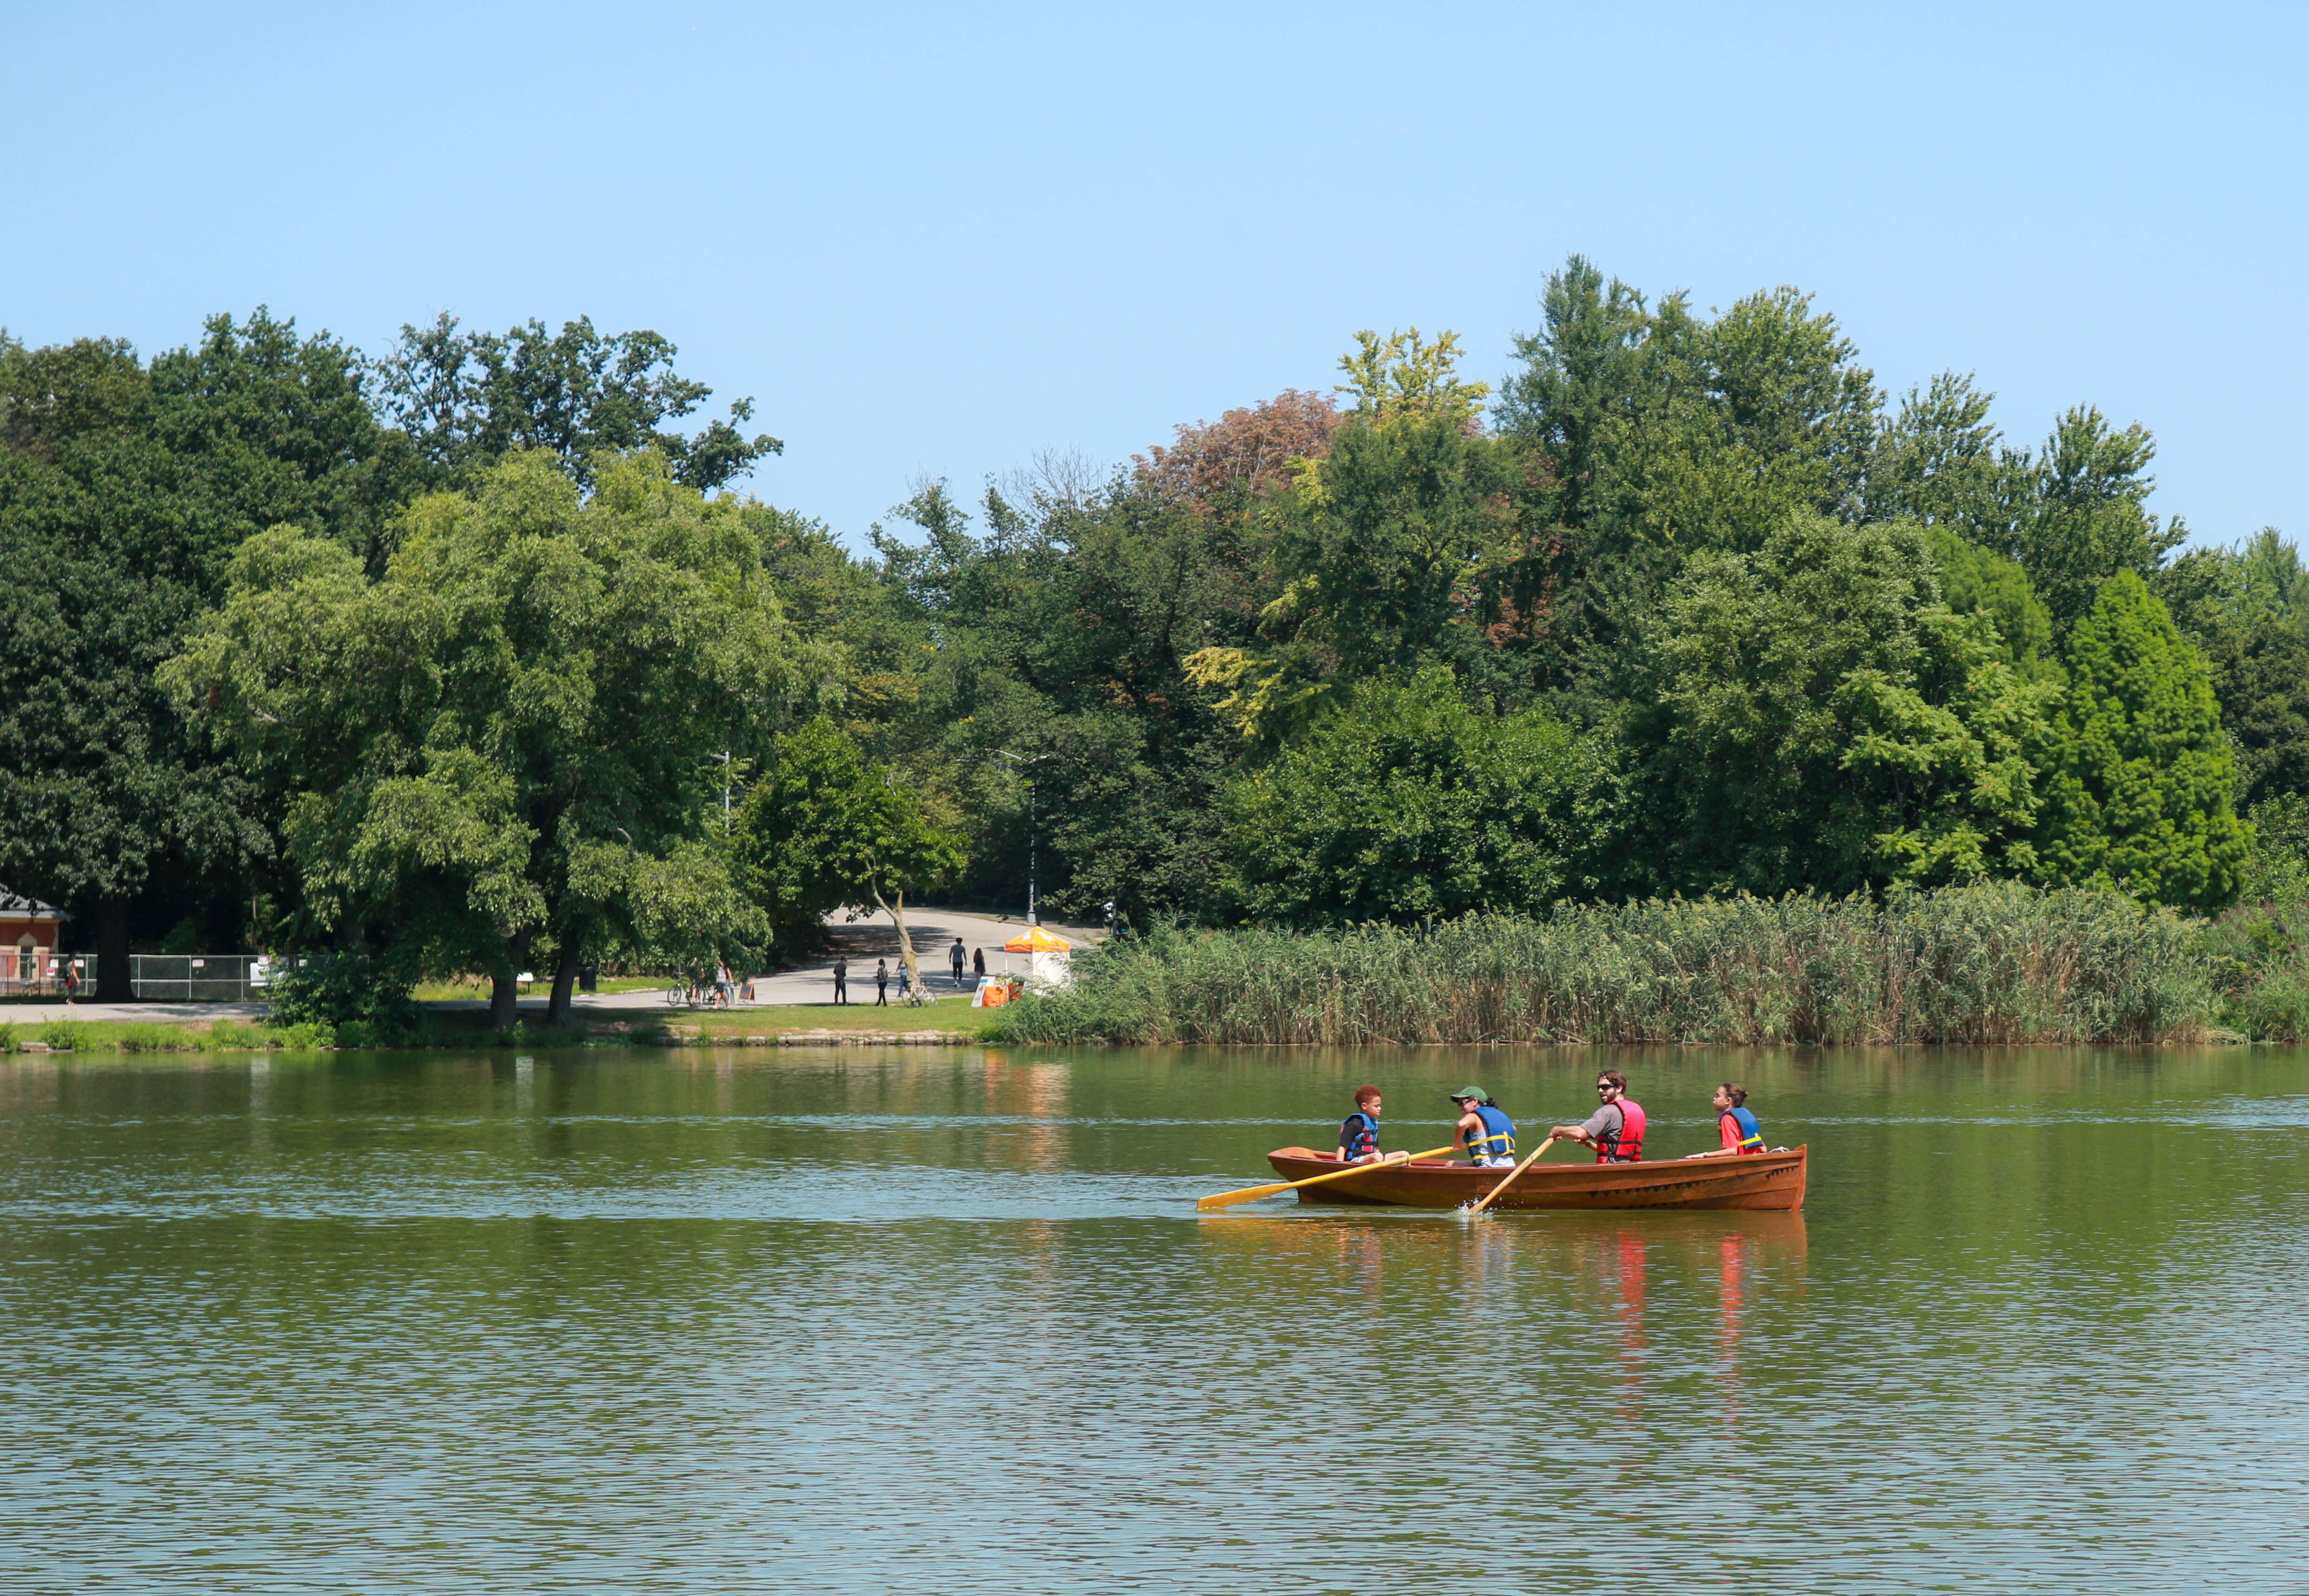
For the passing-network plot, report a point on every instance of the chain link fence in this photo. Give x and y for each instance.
(198, 978)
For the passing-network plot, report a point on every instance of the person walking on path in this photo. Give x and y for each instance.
(1616, 1130)
(978, 964)
(953, 957)
(881, 983)
(841, 978)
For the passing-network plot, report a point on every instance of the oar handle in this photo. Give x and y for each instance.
(1252, 1194)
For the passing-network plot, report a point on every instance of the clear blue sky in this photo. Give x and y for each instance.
(938, 239)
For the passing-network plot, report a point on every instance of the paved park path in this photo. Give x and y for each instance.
(933, 931)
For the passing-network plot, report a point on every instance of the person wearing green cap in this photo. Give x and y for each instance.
(1487, 1133)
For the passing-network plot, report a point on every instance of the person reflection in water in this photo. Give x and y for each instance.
(1737, 1129)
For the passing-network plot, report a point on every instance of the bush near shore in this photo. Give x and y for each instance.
(1991, 964)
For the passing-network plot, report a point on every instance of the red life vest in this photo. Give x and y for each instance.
(1628, 1146)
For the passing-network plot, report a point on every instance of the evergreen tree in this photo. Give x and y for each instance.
(2142, 790)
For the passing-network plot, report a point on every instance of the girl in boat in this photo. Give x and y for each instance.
(1734, 1124)
(1359, 1132)
(1485, 1133)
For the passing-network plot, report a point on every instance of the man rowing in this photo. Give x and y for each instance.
(1615, 1130)
(1485, 1132)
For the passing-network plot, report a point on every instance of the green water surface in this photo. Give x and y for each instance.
(945, 1320)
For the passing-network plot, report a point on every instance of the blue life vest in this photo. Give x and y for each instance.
(1751, 1134)
(1359, 1135)
(1498, 1139)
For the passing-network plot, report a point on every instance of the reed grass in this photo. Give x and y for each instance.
(1992, 964)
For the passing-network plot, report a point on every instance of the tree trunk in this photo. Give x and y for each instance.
(915, 993)
(112, 974)
(504, 989)
(564, 979)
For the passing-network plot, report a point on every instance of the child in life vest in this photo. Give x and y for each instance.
(1359, 1132)
(1484, 1131)
(1736, 1126)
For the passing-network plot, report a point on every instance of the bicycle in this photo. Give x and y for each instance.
(685, 993)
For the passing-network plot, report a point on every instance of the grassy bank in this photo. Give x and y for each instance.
(465, 1028)
(1991, 964)
(141, 1036)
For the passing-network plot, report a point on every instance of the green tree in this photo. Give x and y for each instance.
(1975, 580)
(1823, 720)
(1672, 434)
(124, 490)
(1407, 803)
(507, 743)
(466, 400)
(1385, 544)
(2143, 791)
(829, 828)
(2247, 610)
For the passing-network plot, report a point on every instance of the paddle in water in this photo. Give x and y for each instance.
(1252, 1194)
(1512, 1174)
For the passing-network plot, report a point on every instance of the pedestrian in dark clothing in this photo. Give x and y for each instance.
(978, 963)
(881, 983)
(953, 957)
(841, 980)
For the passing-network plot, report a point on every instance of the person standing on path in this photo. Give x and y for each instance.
(841, 978)
(881, 983)
(953, 957)
(1616, 1130)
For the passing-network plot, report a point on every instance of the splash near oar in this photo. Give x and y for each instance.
(1512, 1174)
(1252, 1194)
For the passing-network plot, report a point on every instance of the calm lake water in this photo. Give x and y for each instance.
(946, 1320)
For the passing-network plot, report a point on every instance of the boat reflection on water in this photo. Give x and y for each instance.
(1629, 1277)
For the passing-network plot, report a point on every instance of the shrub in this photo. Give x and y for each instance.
(7, 1038)
(64, 1035)
(146, 1038)
(340, 987)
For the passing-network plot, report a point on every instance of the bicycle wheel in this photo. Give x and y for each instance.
(677, 995)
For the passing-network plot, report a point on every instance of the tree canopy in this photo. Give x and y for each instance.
(443, 657)
(505, 746)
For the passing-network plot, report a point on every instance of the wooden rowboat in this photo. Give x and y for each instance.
(1752, 1180)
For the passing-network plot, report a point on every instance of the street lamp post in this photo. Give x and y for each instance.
(1030, 763)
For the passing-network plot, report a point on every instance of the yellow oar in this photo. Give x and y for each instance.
(1512, 1174)
(1252, 1194)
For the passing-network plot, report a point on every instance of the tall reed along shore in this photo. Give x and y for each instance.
(1991, 964)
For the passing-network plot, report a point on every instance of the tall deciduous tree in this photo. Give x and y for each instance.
(2143, 791)
(508, 742)
(124, 490)
(1406, 803)
(1823, 721)
(468, 399)
(828, 828)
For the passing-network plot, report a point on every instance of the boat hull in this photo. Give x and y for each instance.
(1757, 1180)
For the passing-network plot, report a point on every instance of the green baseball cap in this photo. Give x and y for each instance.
(1477, 1092)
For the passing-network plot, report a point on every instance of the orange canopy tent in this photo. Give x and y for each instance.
(1035, 940)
